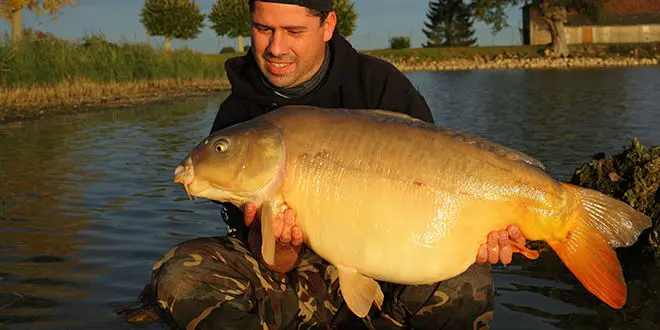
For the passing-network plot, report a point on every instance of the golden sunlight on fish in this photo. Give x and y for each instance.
(383, 196)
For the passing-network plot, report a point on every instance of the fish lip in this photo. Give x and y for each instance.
(185, 175)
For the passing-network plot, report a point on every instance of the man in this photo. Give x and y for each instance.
(222, 283)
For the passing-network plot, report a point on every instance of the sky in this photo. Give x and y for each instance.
(378, 20)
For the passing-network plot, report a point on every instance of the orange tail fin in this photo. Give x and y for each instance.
(594, 263)
(602, 223)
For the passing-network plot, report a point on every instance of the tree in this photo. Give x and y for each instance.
(450, 24)
(463, 28)
(179, 19)
(346, 16)
(12, 10)
(553, 12)
(231, 18)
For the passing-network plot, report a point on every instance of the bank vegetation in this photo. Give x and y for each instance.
(44, 75)
(519, 57)
(41, 74)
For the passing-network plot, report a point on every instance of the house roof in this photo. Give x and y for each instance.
(632, 7)
(616, 19)
(620, 12)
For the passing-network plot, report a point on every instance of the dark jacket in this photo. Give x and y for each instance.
(354, 80)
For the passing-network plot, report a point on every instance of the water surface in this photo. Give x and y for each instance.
(87, 204)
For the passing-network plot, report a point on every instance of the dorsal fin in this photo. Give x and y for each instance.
(496, 148)
(394, 114)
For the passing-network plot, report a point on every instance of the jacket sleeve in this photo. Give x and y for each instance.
(397, 93)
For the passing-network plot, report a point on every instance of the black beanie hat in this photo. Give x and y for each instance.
(320, 5)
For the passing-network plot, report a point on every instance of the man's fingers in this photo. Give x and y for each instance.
(493, 248)
(286, 228)
(505, 248)
(482, 254)
(289, 219)
(515, 235)
(296, 236)
(278, 225)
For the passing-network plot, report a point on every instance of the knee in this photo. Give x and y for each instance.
(186, 268)
(197, 276)
(475, 286)
(189, 250)
(458, 302)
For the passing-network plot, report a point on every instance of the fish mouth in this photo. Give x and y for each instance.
(185, 175)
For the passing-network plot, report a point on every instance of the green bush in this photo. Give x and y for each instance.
(400, 42)
(49, 60)
(227, 49)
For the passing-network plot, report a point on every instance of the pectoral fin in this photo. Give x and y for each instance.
(268, 212)
(359, 291)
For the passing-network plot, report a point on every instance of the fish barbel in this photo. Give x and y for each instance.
(383, 196)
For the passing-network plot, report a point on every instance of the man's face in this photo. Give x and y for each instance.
(288, 42)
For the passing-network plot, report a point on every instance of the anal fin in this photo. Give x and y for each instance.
(359, 291)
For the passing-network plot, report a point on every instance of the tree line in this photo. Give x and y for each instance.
(182, 19)
(174, 19)
(450, 22)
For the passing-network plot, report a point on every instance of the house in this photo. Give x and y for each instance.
(623, 21)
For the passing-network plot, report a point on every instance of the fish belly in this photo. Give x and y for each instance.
(395, 232)
(393, 227)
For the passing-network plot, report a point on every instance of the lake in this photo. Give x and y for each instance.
(87, 202)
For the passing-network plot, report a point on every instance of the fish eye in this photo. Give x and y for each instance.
(221, 145)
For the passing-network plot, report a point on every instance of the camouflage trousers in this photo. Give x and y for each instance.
(216, 283)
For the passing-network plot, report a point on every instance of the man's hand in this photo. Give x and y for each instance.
(498, 248)
(288, 237)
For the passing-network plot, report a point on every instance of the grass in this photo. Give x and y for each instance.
(454, 52)
(46, 61)
(43, 74)
(83, 95)
(523, 51)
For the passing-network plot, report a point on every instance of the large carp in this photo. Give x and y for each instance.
(383, 196)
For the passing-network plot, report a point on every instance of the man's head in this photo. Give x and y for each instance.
(289, 38)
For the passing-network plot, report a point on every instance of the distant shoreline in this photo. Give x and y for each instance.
(84, 96)
(520, 57)
(79, 97)
(429, 64)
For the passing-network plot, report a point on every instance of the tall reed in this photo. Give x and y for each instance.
(41, 60)
(43, 74)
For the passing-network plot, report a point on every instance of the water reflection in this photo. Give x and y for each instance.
(87, 203)
(560, 117)
(42, 178)
(86, 208)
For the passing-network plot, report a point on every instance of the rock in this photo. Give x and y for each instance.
(632, 176)
(513, 61)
